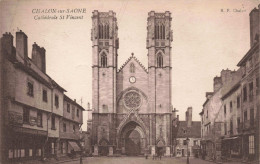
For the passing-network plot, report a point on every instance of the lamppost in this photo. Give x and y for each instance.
(188, 154)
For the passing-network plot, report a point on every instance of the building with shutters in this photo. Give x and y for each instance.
(32, 104)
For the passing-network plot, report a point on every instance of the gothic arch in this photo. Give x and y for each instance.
(141, 124)
(160, 142)
(103, 58)
(159, 58)
(128, 89)
(138, 128)
(103, 30)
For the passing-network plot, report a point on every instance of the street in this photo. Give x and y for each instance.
(137, 160)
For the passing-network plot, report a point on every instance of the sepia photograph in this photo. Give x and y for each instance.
(129, 81)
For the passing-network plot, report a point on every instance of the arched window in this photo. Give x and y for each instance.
(163, 32)
(103, 60)
(159, 60)
(99, 31)
(107, 32)
(103, 31)
(159, 31)
(132, 68)
(155, 32)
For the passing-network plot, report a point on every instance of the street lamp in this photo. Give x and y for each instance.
(188, 140)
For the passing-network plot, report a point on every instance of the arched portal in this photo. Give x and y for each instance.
(132, 139)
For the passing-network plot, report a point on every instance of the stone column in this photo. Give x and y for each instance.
(110, 150)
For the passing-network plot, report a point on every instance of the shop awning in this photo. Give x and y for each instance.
(74, 145)
(231, 138)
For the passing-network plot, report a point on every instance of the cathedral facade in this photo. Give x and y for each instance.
(132, 110)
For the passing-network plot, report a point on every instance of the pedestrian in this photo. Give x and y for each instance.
(80, 160)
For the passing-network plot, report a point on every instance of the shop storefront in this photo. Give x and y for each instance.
(25, 144)
(231, 147)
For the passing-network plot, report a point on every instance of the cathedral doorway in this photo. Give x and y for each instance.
(132, 139)
(132, 143)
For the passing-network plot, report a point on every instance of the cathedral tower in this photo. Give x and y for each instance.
(104, 59)
(104, 67)
(159, 38)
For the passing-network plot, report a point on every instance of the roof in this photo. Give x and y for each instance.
(192, 132)
(248, 54)
(233, 89)
(128, 60)
(73, 102)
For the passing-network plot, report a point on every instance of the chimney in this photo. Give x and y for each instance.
(226, 76)
(217, 83)
(189, 116)
(254, 26)
(21, 44)
(38, 57)
(7, 44)
(209, 94)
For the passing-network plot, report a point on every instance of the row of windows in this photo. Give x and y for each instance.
(103, 31)
(251, 90)
(245, 115)
(231, 106)
(22, 153)
(245, 95)
(65, 128)
(159, 32)
(254, 60)
(132, 68)
(26, 117)
(252, 115)
(30, 92)
(73, 110)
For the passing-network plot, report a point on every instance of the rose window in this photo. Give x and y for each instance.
(132, 100)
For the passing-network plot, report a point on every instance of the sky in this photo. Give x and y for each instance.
(205, 41)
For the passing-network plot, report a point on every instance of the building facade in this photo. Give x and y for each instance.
(70, 126)
(211, 118)
(190, 130)
(239, 113)
(32, 102)
(240, 133)
(132, 110)
(230, 116)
